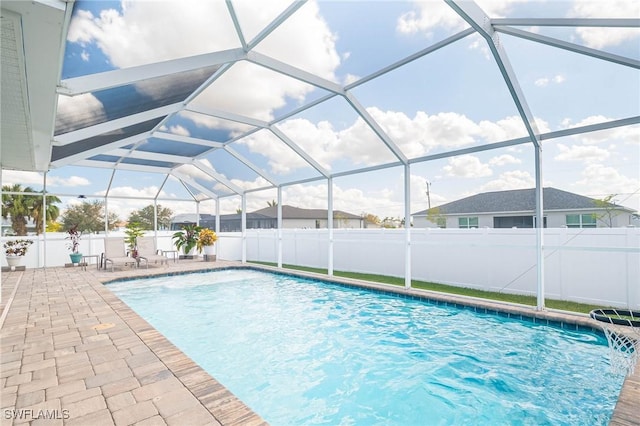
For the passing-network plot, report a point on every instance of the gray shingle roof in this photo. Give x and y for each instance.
(516, 201)
(290, 212)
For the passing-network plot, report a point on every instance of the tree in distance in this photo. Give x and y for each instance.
(89, 217)
(144, 217)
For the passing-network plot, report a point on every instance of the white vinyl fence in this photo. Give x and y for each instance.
(599, 266)
(229, 247)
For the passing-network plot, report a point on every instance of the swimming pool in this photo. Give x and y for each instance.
(303, 352)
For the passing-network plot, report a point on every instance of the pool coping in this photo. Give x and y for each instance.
(625, 412)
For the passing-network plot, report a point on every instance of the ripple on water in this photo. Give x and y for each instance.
(300, 352)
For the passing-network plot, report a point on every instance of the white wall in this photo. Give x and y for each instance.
(599, 266)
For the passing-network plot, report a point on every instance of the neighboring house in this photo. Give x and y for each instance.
(267, 218)
(516, 209)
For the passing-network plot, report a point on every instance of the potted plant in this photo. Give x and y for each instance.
(133, 232)
(73, 235)
(206, 239)
(187, 239)
(15, 250)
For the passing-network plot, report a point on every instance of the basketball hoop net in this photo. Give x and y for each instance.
(622, 330)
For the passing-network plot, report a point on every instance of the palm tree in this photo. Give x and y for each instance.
(22, 207)
(18, 206)
(272, 203)
(52, 212)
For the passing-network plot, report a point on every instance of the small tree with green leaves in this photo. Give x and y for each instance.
(434, 216)
(133, 232)
(88, 216)
(608, 210)
(144, 217)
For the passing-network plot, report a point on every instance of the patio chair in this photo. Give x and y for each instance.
(147, 251)
(114, 253)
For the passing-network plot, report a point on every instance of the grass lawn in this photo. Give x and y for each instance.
(443, 288)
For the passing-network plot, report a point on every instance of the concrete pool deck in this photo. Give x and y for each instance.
(72, 353)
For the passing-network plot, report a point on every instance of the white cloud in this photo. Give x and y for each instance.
(193, 172)
(252, 90)
(320, 141)
(544, 81)
(85, 56)
(281, 158)
(351, 200)
(502, 160)
(201, 120)
(358, 144)
(147, 24)
(627, 134)
(599, 180)
(70, 181)
(350, 78)
(599, 38)
(508, 128)
(587, 154)
(123, 207)
(13, 177)
(427, 16)
(85, 106)
(304, 40)
(516, 179)
(467, 166)
(179, 130)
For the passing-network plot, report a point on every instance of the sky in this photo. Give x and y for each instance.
(450, 99)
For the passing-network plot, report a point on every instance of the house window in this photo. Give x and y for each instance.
(581, 220)
(513, 222)
(317, 224)
(516, 221)
(467, 222)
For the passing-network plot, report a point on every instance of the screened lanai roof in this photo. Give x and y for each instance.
(234, 96)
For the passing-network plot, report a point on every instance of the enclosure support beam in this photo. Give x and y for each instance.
(330, 224)
(44, 220)
(279, 227)
(244, 228)
(106, 208)
(407, 225)
(106, 217)
(217, 225)
(539, 230)
(155, 222)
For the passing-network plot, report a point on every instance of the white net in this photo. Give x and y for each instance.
(622, 330)
(624, 349)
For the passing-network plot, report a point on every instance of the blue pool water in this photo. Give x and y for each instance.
(302, 352)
